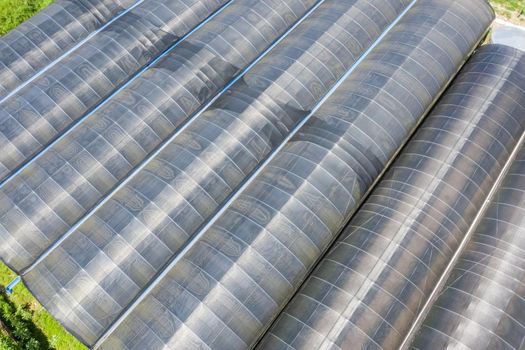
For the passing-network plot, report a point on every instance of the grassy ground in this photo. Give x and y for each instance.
(511, 10)
(42, 326)
(14, 12)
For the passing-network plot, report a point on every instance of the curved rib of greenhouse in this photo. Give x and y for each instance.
(279, 174)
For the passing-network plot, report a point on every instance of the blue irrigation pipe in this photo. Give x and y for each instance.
(9, 288)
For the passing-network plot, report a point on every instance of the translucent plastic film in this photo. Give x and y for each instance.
(371, 286)
(42, 110)
(36, 43)
(234, 278)
(482, 306)
(76, 173)
(93, 275)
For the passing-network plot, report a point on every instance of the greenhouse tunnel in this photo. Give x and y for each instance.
(39, 112)
(228, 284)
(482, 305)
(72, 176)
(109, 259)
(266, 174)
(40, 41)
(371, 286)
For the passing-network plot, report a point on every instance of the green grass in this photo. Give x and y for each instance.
(49, 332)
(511, 5)
(513, 10)
(14, 12)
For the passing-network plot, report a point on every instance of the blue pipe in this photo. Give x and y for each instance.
(10, 286)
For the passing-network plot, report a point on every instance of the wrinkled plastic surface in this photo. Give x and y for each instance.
(43, 38)
(72, 176)
(482, 306)
(53, 102)
(97, 271)
(235, 278)
(369, 289)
